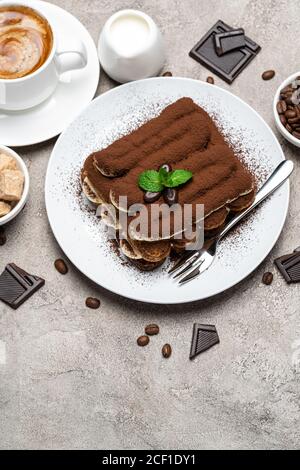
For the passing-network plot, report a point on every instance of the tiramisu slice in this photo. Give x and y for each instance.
(185, 137)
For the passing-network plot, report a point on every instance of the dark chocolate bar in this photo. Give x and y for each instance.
(16, 285)
(204, 337)
(226, 42)
(230, 65)
(289, 267)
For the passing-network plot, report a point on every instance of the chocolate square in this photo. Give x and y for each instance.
(16, 285)
(204, 337)
(227, 66)
(289, 267)
(226, 42)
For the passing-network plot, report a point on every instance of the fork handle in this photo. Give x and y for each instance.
(275, 180)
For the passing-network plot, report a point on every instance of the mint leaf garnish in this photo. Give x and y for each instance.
(151, 180)
(177, 177)
(156, 181)
(163, 175)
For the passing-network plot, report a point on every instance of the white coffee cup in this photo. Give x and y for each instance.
(131, 46)
(28, 91)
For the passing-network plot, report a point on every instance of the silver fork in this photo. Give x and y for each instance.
(194, 263)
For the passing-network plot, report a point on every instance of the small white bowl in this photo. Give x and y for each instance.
(280, 127)
(17, 209)
(141, 59)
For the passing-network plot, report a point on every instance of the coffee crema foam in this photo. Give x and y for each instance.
(25, 41)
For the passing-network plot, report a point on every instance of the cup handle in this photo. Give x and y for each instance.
(72, 59)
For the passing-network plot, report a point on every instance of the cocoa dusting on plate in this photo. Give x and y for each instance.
(115, 247)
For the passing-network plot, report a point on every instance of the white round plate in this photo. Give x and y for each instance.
(75, 90)
(82, 236)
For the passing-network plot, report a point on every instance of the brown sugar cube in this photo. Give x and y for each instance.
(11, 185)
(7, 162)
(4, 208)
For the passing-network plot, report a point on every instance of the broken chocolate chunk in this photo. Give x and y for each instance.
(16, 285)
(229, 41)
(229, 65)
(289, 267)
(204, 337)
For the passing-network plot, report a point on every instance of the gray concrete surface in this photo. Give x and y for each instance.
(74, 378)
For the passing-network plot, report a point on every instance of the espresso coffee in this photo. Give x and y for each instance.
(26, 41)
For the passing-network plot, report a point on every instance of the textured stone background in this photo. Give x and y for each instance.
(74, 378)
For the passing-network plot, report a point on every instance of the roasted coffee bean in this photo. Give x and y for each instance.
(281, 107)
(61, 266)
(150, 197)
(92, 302)
(166, 167)
(286, 89)
(294, 120)
(2, 236)
(152, 329)
(288, 128)
(166, 351)
(267, 278)
(283, 119)
(289, 93)
(170, 196)
(210, 80)
(268, 74)
(289, 102)
(296, 134)
(143, 340)
(290, 114)
(167, 74)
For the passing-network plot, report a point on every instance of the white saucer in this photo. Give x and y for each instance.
(75, 90)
